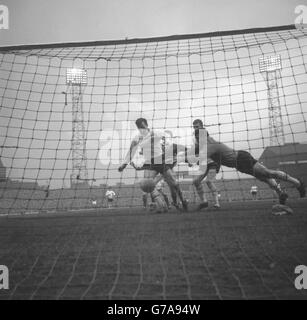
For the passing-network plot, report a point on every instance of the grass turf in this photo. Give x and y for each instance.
(239, 252)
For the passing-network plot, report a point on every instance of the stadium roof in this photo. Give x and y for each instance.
(286, 152)
(288, 149)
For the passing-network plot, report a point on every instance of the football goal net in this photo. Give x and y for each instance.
(67, 112)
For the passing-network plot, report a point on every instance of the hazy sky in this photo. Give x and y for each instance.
(45, 21)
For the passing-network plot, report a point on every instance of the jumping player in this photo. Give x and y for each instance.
(150, 143)
(244, 162)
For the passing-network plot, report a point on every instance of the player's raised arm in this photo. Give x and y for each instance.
(130, 154)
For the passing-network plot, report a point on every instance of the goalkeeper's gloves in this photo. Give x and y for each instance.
(122, 167)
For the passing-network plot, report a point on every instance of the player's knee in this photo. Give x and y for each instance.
(266, 173)
(173, 183)
(196, 182)
(261, 172)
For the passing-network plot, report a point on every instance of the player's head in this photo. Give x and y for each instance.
(198, 124)
(142, 125)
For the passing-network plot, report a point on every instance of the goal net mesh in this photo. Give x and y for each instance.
(68, 111)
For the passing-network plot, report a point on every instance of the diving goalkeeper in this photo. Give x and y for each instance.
(244, 162)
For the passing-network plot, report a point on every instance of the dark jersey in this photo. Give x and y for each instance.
(228, 157)
(217, 151)
(220, 153)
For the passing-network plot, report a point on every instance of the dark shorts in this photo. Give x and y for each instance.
(110, 200)
(159, 168)
(245, 162)
(213, 165)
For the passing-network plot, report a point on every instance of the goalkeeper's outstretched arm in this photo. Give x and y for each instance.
(130, 154)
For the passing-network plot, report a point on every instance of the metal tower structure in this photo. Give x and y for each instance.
(76, 80)
(270, 67)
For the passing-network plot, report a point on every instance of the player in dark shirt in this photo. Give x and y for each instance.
(244, 162)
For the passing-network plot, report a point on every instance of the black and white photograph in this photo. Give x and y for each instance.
(153, 151)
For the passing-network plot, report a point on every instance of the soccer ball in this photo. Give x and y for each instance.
(147, 185)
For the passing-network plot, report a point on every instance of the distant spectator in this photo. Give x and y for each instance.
(94, 203)
(110, 195)
(254, 192)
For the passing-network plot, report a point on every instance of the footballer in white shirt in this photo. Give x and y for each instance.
(150, 142)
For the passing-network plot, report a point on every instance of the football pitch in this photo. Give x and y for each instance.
(239, 252)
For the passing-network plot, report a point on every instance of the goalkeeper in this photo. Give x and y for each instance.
(244, 162)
